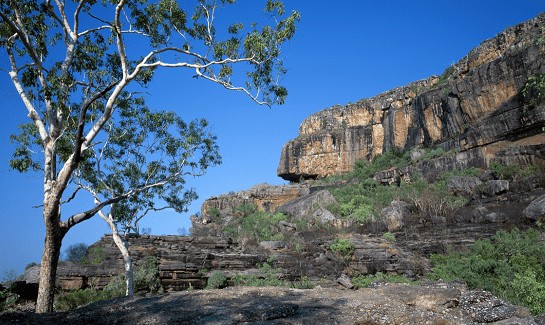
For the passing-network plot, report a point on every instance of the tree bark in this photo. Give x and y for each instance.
(123, 246)
(48, 267)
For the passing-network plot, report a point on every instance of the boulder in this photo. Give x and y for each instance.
(438, 220)
(487, 308)
(536, 209)
(345, 281)
(32, 274)
(272, 245)
(496, 217)
(395, 214)
(464, 185)
(310, 207)
(287, 225)
(478, 214)
(497, 187)
(263, 197)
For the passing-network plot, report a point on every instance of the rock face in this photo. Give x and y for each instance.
(310, 207)
(183, 261)
(536, 210)
(264, 197)
(476, 106)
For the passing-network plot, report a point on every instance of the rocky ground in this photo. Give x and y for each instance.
(428, 303)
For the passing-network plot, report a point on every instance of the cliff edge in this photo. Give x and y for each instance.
(477, 104)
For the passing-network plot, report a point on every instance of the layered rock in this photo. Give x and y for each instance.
(477, 104)
(264, 197)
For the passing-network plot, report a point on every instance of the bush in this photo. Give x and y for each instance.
(217, 280)
(343, 247)
(8, 277)
(76, 252)
(510, 264)
(7, 299)
(389, 237)
(95, 255)
(303, 283)
(257, 225)
(29, 265)
(515, 172)
(534, 90)
(364, 281)
(146, 276)
(74, 299)
(269, 277)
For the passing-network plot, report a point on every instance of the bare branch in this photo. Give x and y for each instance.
(96, 29)
(230, 86)
(120, 43)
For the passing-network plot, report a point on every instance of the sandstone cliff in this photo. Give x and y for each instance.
(477, 104)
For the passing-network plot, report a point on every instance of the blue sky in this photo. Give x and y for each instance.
(343, 51)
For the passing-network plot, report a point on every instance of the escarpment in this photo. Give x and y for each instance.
(477, 104)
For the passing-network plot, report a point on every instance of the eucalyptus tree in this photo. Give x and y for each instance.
(160, 151)
(67, 59)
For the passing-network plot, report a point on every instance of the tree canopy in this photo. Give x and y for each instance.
(79, 64)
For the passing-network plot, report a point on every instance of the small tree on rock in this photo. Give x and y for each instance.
(159, 152)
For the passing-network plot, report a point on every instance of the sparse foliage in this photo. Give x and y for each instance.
(534, 90)
(364, 281)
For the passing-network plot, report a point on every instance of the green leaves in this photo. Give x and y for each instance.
(159, 151)
(510, 264)
(534, 90)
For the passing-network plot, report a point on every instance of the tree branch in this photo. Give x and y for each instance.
(32, 113)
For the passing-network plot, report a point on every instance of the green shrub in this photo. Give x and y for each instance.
(432, 153)
(95, 255)
(515, 172)
(146, 279)
(29, 265)
(269, 277)
(534, 90)
(74, 299)
(117, 286)
(364, 281)
(257, 225)
(510, 264)
(214, 213)
(146, 276)
(7, 299)
(76, 252)
(389, 237)
(343, 247)
(217, 280)
(303, 283)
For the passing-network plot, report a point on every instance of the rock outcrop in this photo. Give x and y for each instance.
(428, 303)
(476, 106)
(264, 197)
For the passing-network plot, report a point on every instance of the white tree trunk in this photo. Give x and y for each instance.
(123, 246)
